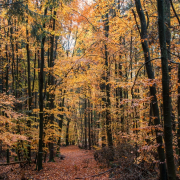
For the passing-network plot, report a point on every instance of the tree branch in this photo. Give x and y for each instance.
(8, 4)
(95, 28)
(136, 21)
(139, 71)
(173, 54)
(174, 11)
(174, 62)
(144, 65)
(18, 162)
(96, 174)
(72, 67)
(147, 20)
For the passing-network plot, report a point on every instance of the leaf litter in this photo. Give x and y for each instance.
(77, 164)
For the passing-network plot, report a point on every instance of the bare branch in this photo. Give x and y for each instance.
(147, 20)
(95, 28)
(8, 4)
(139, 71)
(18, 162)
(144, 65)
(174, 11)
(67, 73)
(109, 170)
(173, 54)
(136, 21)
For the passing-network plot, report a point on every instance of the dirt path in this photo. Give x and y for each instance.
(78, 163)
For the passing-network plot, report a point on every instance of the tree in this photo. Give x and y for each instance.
(166, 93)
(41, 82)
(150, 73)
(88, 56)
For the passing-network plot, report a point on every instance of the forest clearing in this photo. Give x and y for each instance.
(90, 89)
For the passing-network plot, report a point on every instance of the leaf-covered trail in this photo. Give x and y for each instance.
(78, 163)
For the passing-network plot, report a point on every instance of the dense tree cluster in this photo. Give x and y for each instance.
(90, 73)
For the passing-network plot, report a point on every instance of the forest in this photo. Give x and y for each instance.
(90, 89)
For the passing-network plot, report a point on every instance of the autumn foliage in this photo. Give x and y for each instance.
(101, 75)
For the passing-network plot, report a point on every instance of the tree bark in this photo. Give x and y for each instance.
(61, 117)
(89, 125)
(51, 83)
(107, 86)
(29, 91)
(166, 93)
(41, 80)
(7, 93)
(150, 73)
(178, 131)
(85, 123)
(67, 132)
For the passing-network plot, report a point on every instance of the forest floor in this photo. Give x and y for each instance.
(77, 164)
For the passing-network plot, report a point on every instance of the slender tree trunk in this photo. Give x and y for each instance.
(178, 131)
(12, 63)
(41, 80)
(29, 91)
(108, 103)
(52, 82)
(2, 77)
(81, 129)
(67, 132)
(61, 119)
(7, 93)
(85, 123)
(1, 69)
(92, 126)
(89, 125)
(17, 71)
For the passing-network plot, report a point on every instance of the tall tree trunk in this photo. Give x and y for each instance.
(61, 117)
(108, 103)
(7, 93)
(92, 126)
(168, 47)
(41, 80)
(150, 73)
(52, 82)
(12, 63)
(166, 93)
(81, 130)
(178, 131)
(89, 125)
(17, 71)
(85, 123)
(29, 91)
(67, 132)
